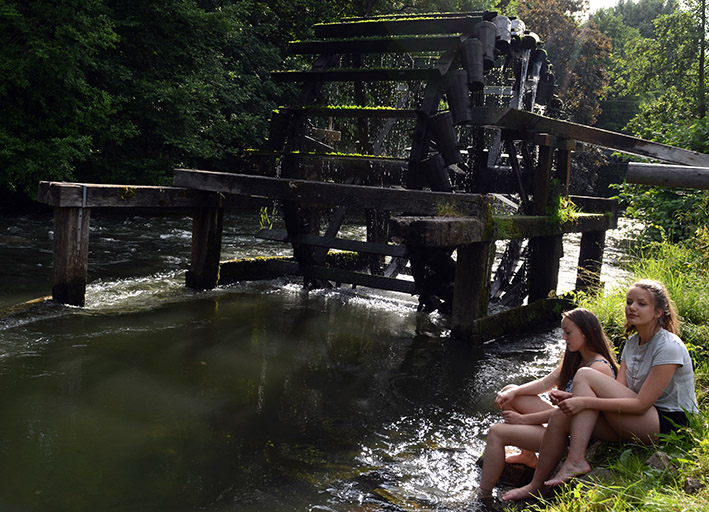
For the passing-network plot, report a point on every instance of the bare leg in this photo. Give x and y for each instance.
(550, 453)
(615, 426)
(526, 404)
(527, 437)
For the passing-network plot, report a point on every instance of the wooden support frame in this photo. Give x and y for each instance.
(70, 255)
(203, 272)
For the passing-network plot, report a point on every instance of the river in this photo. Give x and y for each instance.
(253, 397)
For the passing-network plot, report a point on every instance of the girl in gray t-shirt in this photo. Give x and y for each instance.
(652, 394)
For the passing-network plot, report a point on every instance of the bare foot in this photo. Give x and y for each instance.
(526, 457)
(521, 493)
(569, 470)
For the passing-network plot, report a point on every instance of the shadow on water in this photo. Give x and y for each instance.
(260, 396)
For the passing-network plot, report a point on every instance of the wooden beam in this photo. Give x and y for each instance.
(527, 121)
(70, 255)
(456, 231)
(71, 195)
(203, 272)
(343, 276)
(471, 292)
(668, 175)
(364, 75)
(403, 26)
(405, 44)
(356, 111)
(330, 194)
(335, 243)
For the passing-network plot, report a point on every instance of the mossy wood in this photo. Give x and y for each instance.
(401, 26)
(377, 45)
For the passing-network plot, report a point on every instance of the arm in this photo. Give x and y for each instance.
(534, 387)
(532, 418)
(656, 382)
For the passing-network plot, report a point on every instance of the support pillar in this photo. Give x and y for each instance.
(471, 292)
(544, 252)
(203, 272)
(590, 260)
(71, 255)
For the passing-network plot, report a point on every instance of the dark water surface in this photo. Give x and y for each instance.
(260, 396)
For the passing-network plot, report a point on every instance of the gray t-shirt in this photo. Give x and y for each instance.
(663, 348)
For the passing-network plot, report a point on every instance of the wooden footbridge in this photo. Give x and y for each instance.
(438, 131)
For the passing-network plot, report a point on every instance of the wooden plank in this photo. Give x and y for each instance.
(377, 45)
(426, 25)
(357, 75)
(590, 260)
(343, 276)
(668, 175)
(356, 111)
(457, 231)
(63, 194)
(335, 243)
(519, 320)
(471, 291)
(203, 271)
(330, 194)
(70, 255)
(527, 121)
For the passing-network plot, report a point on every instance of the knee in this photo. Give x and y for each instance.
(585, 374)
(558, 422)
(496, 432)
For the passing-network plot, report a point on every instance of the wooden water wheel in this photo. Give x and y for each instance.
(390, 102)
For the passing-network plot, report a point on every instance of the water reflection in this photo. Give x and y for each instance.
(258, 396)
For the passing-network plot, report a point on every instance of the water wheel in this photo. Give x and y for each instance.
(390, 102)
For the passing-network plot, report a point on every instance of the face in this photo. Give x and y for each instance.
(573, 336)
(640, 310)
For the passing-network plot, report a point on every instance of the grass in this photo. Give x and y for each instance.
(628, 482)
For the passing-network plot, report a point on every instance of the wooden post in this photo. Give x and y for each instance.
(590, 260)
(564, 149)
(71, 254)
(203, 272)
(544, 252)
(472, 288)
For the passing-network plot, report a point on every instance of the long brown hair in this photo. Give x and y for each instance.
(595, 339)
(669, 320)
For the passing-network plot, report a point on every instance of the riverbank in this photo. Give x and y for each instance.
(675, 474)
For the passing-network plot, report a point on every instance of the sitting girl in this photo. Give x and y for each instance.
(652, 394)
(524, 412)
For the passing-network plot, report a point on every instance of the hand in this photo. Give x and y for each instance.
(573, 405)
(505, 396)
(557, 396)
(513, 417)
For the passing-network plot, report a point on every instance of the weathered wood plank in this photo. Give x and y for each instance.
(590, 260)
(335, 243)
(359, 75)
(431, 25)
(471, 291)
(63, 194)
(527, 121)
(519, 320)
(356, 111)
(343, 276)
(376, 45)
(203, 272)
(668, 175)
(70, 255)
(330, 194)
(456, 231)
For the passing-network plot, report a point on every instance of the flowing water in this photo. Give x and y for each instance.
(258, 396)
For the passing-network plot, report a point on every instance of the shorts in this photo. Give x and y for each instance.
(671, 420)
